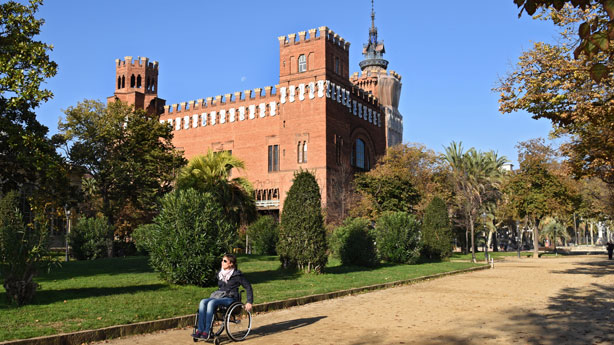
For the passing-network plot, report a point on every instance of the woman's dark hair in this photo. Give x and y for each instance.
(233, 260)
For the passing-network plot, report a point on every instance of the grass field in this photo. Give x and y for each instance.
(93, 294)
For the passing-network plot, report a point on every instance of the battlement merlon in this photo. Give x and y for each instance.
(304, 36)
(356, 76)
(140, 62)
(220, 100)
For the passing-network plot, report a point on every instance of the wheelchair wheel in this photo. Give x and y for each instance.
(238, 322)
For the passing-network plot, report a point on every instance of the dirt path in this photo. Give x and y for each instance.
(547, 301)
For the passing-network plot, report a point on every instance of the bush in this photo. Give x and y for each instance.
(89, 238)
(354, 243)
(188, 238)
(436, 231)
(263, 235)
(398, 237)
(302, 237)
(23, 251)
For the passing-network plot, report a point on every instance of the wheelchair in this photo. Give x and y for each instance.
(233, 318)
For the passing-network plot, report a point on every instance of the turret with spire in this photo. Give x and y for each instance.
(373, 50)
(384, 85)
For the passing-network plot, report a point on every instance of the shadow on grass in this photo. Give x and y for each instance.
(44, 297)
(283, 326)
(108, 266)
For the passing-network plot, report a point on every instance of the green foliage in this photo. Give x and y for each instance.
(436, 231)
(90, 238)
(211, 173)
(387, 192)
(354, 243)
(302, 237)
(23, 251)
(398, 237)
(263, 235)
(188, 237)
(129, 156)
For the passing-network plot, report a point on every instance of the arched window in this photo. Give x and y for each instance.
(360, 155)
(304, 152)
(302, 64)
(132, 81)
(299, 152)
(123, 81)
(119, 82)
(138, 81)
(153, 85)
(147, 84)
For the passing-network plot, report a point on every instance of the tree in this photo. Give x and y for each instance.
(549, 83)
(27, 157)
(594, 33)
(397, 237)
(436, 230)
(127, 153)
(187, 239)
(536, 190)
(475, 176)
(263, 235)
(554, 230)
(23, 249)
(302, 237)
(211, 173)
(354, 243)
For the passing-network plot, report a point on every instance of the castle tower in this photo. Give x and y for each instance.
(384, 85)
(136, 83)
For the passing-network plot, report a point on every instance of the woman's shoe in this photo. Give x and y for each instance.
(196, 334)
(204, 335)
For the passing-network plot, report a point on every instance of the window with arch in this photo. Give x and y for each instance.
(337, 64)
(123, 81)
(132, 81)
(302, 64)
(360, 155)
(138, 81)
(119, 82)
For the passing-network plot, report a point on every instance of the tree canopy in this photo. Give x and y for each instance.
(127, 153)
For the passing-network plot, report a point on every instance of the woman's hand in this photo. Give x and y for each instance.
(248, 306)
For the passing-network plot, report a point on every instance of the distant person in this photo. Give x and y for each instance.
(610, 247)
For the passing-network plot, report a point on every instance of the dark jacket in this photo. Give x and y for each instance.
(232, 286)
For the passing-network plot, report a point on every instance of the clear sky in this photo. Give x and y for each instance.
(449, 53)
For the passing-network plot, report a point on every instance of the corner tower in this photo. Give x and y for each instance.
(136, 83)
(383, 84)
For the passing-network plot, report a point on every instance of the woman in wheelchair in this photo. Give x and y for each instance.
(229, 279)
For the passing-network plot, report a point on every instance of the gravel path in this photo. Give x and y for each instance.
(546, 301)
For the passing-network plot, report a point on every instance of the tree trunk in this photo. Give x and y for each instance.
(473, 259)
(536, 240)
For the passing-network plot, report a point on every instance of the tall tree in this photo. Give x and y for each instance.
(302, 237)
(212, 173)
(127, 153)
(25, 152)
(475, 176)
(405, 179)
(536, 191)
(549, 83)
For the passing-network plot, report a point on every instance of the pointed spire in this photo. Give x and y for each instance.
(374, 49)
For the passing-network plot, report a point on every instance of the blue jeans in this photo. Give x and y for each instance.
(207, 308)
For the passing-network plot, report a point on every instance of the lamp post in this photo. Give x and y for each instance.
(485, 237)
(67, 212)
(518, 237)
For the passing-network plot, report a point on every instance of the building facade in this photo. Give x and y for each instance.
(315, 119)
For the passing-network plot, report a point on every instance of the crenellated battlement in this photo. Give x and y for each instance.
(313, 34)
(219, 100)
(372, 74)
(138, 62)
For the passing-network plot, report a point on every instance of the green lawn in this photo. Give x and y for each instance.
(93, 294)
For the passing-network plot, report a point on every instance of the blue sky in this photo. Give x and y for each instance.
(450, 54)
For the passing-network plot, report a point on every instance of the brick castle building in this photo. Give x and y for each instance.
(316, 118)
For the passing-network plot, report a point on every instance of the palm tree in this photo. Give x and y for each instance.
(212, 173)
(476, 176)
(554, 230)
